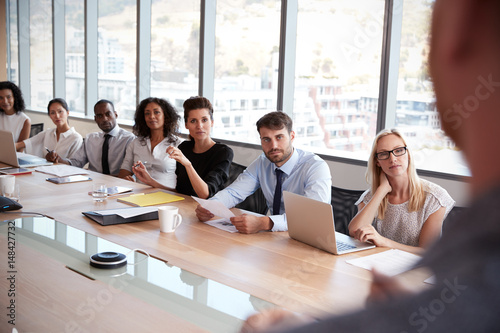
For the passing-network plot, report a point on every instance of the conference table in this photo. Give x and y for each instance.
(198, 278)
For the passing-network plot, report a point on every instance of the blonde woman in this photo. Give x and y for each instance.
(400, 210)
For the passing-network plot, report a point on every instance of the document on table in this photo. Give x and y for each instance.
(218, 209)
(223, 224)
(61, 170)
(127, 212)
(391, 262)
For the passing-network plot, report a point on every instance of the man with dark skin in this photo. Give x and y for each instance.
(91, 150)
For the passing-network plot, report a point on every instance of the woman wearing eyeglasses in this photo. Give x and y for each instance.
(400, 210)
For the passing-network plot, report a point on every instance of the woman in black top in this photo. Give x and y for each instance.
(202, 165)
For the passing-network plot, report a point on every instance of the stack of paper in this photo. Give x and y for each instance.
(123, 215)
(391, 262)
(62, 170)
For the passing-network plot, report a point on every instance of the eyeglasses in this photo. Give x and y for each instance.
(396, 152)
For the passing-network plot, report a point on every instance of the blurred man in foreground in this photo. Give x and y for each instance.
(465, 67)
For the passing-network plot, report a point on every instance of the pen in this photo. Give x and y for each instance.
(48, 150)
(145, 163)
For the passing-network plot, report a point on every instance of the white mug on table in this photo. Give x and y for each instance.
(8, 187)
(169, 218)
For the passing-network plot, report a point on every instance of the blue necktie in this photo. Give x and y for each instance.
(277, 193)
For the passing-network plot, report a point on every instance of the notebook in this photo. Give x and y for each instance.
(8, 154)
(311, 222)
(150, 199)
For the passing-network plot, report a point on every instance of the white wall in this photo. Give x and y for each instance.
(343, 175)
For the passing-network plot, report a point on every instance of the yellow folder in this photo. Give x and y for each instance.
(150, 199)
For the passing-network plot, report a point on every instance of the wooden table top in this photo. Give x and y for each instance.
(267, 265)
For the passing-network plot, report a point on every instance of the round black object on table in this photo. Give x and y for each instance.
(108, 260)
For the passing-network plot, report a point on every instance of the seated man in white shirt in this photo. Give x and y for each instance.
(92, 149)
(301, 172)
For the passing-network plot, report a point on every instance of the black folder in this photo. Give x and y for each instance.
(109, 219)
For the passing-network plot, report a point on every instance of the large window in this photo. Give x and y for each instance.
(246, 66)
(416, 114)
(116, 61)
(41, 70)
(337, 75)
(343, 69)
(175, 40)
(13, 60)
(75, 55)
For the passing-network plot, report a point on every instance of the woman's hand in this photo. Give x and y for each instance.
(52, 157)
(384, 183)
(368, 233)
(141, 173)
(176, 154)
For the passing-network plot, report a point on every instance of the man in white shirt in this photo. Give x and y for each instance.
(94, 147)
(280, 167)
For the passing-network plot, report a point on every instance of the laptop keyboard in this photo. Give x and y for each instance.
(344, 246)
(22, 162)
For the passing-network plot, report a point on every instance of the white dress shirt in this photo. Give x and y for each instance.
(159, 165)
(69, 142)
(91, 150)
(13, 123)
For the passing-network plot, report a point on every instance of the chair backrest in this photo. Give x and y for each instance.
(35, 129)
(344, 208)
(452, 215)
(255, 202)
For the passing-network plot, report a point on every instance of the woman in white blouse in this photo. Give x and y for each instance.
(156, 126)
(400, 210)
(12, 116)
(61, 141)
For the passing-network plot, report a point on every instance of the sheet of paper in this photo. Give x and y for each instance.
(61, 170)
(430, 280)
(222, 224)
(127, 212)
(391, 262)
(216, 207)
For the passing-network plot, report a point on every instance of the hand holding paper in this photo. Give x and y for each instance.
(215, 207)
(218, 209)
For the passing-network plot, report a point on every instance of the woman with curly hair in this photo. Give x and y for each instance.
(400, 210)
(156, 126)
(12, 117)
(202, 164)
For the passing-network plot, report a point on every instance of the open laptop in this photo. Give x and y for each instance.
(311, 222)
(8, 154)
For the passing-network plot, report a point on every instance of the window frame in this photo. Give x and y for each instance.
(387, 101)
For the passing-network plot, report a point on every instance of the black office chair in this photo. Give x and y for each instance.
(255, 202)
(35, 129)
(452, 216)
(344, 208)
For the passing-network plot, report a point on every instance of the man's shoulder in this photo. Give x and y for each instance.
(124, 133)
(92, 136)
(307, 157)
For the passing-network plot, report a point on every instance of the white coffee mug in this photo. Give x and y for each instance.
(7, 184)
(169, 218)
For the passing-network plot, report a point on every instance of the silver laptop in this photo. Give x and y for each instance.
(311, 222)
(8, 154)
